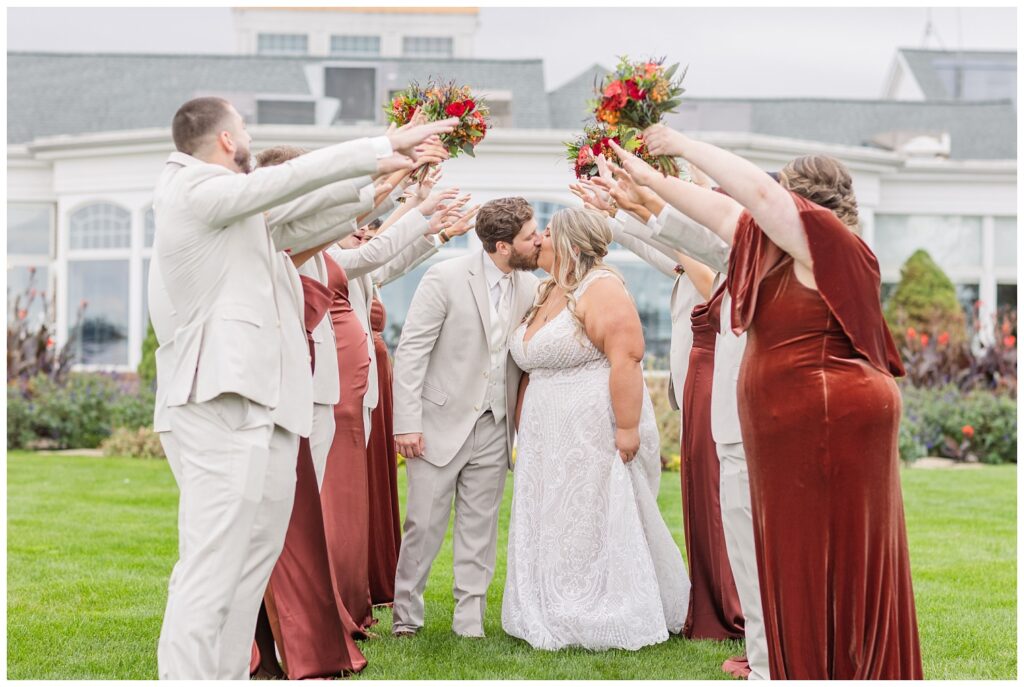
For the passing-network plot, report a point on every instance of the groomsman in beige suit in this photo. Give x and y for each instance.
(234, 421)
(455, 389)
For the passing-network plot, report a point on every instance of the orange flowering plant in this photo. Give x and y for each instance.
(638, 95)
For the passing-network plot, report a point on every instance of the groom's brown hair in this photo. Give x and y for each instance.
(501, 220)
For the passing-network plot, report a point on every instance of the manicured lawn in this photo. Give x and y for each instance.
(91, 542)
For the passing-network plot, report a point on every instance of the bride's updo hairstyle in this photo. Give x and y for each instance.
(825, 181)
(580, 239)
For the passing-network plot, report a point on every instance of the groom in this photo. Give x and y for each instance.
(455, 389)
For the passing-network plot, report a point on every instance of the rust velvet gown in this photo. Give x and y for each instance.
(819, 411)
(300, 613)
(714, 611)
(382, 473)
(344, 493)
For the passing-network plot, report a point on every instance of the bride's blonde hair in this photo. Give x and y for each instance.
(580, 239)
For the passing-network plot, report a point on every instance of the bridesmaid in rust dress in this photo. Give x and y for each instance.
(344, 494)
(300, 614)
(382, 466)
(819, 412)
(714, 611)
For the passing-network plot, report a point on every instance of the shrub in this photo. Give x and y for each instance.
(925, 300)
(147, 366)
(78, 414)
(141, 442)
(31, 344)
(946, 422)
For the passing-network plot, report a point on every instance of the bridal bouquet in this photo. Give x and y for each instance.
(639, 94)
(440, 101)
(583, 150)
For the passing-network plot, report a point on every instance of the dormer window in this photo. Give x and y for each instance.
(356, 89)
(427, 46)
(282, 44)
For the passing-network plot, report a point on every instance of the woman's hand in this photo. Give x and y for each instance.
(591, 199)
(431, 205)
(663, 140)
(463, 224)
(627, 442)
(424, 188)
(641, 172)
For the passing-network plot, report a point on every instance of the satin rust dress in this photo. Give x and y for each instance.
(382, 472)
(819, 412)
(714, 610)
(344, 494)
(300, 615)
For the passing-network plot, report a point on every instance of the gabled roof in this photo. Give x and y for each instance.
(72, 93)
(923, 66)
(568, 102)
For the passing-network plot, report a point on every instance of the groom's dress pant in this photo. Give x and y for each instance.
(475, 478)
(738, 525)
(236, 473)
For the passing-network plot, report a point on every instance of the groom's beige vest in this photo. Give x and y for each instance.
(442, 372)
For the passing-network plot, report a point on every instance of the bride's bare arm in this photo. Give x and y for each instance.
(612, 323)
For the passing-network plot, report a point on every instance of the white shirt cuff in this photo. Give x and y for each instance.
(381, 146)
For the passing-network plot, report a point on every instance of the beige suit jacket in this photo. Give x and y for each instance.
(443, 358)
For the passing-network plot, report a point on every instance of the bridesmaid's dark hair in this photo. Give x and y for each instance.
(278, 155)
(824, 181)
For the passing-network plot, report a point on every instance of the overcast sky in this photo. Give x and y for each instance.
(741, 52)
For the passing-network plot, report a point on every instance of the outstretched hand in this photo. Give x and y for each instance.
(663, 140)
(641, 172)
(591, 199)
(405, 139)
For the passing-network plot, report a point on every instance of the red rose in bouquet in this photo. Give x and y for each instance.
(595, 140)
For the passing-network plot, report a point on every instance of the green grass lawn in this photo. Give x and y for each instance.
(91, 542)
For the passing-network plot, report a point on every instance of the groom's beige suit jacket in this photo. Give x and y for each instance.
(443, 358)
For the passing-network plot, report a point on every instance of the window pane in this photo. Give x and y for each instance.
(285, 112)
(427, 46)
(29, 229)
(281, 44)
(99, 226)
(28, 290)
(1006, 295)
(355, 45)
(150, 228)
(103, 286)
(967, 294)
(1006, 241)
(356, 88)
(951, 241)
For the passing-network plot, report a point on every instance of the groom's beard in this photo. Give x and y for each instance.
(243, 158)
(526, 263)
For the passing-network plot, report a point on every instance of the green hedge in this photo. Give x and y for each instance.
(78, 414)
(930, 415)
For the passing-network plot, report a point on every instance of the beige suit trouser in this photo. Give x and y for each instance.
(738, 524)
(236, 473)
(476, 479)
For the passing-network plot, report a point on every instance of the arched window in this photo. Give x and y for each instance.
(100, 226)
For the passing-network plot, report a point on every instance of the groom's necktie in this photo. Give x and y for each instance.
(504, 306)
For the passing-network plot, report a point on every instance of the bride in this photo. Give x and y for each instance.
(591, 563)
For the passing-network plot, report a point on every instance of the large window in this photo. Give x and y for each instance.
(29, 251)
(101, 286)
(100, 225)
(99, 260)
(953, 242)
(282, 44)
(355, 46)
(427, 46)
(356, 88)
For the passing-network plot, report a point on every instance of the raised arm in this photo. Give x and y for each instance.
(385, 246)
(769, 203)
(613, 325)
(325, 197)
(714, 210)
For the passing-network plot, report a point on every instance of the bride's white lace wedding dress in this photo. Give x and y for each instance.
(591, 562)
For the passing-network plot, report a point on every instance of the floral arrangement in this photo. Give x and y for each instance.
(440, 101)
(582, 151)
(638, 95)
